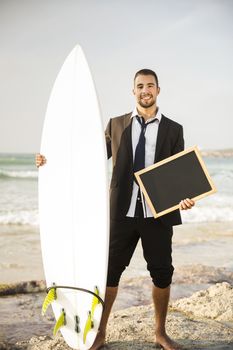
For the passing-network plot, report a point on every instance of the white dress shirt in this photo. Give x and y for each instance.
(150, 145)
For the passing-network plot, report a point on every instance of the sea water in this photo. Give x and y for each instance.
(18, 190)
(217, 207)
(19, 196)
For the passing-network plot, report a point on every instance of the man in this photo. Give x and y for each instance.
(134, 141)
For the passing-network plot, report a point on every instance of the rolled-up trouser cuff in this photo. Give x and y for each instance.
(162, 278)
(114, 276)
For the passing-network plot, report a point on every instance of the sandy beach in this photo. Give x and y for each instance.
(201, 306)
(202, 321)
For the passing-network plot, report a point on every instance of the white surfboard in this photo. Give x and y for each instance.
(73, 203)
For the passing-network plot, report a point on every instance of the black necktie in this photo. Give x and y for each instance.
(139, 158)
(139, 161)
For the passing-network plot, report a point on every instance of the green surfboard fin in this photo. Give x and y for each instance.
(95, 302)
(50, 297)
(89, 325)
(60, 322)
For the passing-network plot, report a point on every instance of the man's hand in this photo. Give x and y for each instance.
(40, 160)
(186, 204)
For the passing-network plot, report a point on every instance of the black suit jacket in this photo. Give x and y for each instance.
(119, 147)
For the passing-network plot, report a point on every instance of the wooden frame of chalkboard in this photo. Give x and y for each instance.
(166, 183)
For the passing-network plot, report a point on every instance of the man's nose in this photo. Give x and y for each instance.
(145, 89)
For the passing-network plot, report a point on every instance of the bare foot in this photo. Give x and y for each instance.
(99, 341)
(163, 341)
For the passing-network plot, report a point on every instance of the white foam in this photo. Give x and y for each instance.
(208, 214)
(20, 218)
(19, 174)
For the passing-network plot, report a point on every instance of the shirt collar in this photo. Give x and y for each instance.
(158, 115)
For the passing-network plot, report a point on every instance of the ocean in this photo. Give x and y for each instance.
(19, 197)
(18, 188)
(205, 238)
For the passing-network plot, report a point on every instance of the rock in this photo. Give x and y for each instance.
(201, 274)
(22, 288)
(218, 153)
(3, 346)
(215, 303)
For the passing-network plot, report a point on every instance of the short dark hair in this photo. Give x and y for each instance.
(146, 71)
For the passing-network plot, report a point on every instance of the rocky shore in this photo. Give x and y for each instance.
(225, 153)
(198, 320)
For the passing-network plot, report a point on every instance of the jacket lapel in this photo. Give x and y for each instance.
(128, 134)
(162, 132)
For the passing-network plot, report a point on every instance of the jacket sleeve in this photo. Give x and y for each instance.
(108, 138)
(179, 145)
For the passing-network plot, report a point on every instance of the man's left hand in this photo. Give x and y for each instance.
(186, 204)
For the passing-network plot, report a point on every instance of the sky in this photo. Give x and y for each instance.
(188, 43)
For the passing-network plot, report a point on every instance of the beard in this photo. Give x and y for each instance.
(146, 104)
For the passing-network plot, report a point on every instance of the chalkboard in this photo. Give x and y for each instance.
(166, 183)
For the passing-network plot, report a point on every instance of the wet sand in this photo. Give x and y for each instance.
(208, 244)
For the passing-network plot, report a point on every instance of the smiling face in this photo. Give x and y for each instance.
(146, 91)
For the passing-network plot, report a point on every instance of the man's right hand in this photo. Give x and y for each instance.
(40, 160)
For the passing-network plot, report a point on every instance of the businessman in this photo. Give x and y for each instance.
(134, 141)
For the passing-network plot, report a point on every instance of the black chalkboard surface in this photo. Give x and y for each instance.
(166, 183)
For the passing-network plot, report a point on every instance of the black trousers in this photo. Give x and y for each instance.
(156, 240)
